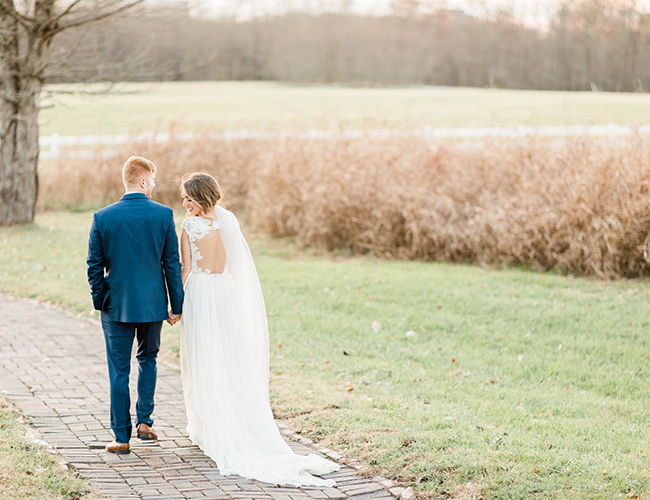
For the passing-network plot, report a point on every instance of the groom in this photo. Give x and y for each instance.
(133, 265)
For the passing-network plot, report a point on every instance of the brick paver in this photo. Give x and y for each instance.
(53, 367)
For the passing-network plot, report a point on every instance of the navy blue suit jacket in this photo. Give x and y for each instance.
(133, 260)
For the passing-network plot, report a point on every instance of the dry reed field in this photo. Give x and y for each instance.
(579, 207)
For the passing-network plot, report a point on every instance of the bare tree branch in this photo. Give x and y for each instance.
(7, 9)
(6, 97)
(54, 21)
(94, 18)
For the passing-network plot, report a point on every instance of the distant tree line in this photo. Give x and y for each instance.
(603, 44)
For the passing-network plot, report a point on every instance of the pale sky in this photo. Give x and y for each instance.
(534, 13)
(531, 11)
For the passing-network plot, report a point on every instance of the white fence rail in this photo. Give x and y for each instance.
(55, 143)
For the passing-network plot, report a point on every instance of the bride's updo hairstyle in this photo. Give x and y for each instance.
(202, 189)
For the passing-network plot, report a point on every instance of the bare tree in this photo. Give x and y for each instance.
(27, 28)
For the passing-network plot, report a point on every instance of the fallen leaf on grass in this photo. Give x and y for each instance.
(407, 443)
(469, 491)
(422, 478)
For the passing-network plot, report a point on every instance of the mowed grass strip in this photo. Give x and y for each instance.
(209, 106)
(26, 471)
(527, 385)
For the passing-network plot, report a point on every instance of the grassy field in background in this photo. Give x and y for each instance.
(201, 106)
(527, 385)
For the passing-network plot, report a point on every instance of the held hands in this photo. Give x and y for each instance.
(173, 318)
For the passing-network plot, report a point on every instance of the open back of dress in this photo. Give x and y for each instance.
(208, 252)
(213, 254)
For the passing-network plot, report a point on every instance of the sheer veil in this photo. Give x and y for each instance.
(242, 268)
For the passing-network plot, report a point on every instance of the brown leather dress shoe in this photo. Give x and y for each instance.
(120, 448)
(146, 433)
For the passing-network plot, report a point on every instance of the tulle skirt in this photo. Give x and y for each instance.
(226, 398)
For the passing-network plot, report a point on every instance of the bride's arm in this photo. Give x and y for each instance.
(186, 256)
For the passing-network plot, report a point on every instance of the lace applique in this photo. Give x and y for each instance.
(197, 228)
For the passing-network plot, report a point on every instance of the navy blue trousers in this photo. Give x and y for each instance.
(119, 343)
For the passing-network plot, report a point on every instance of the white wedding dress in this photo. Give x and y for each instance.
(225, 362)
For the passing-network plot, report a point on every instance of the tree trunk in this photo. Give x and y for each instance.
(18, 162)
(19, 92)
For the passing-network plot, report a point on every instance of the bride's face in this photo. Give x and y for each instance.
(191, 207)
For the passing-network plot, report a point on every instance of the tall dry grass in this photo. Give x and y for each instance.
(582, 207)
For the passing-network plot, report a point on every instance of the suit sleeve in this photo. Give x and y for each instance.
(96, 265)
(172, 266)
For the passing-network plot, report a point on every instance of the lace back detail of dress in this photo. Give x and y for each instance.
(208, 254)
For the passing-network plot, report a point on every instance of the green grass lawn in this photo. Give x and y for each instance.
(26, 471)
(191, 106)
(529, 385)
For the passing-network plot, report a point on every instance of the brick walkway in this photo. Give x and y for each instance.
(53, 367)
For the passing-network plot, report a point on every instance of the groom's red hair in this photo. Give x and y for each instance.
(135, 168)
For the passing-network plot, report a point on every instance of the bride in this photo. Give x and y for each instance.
(225, 349)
